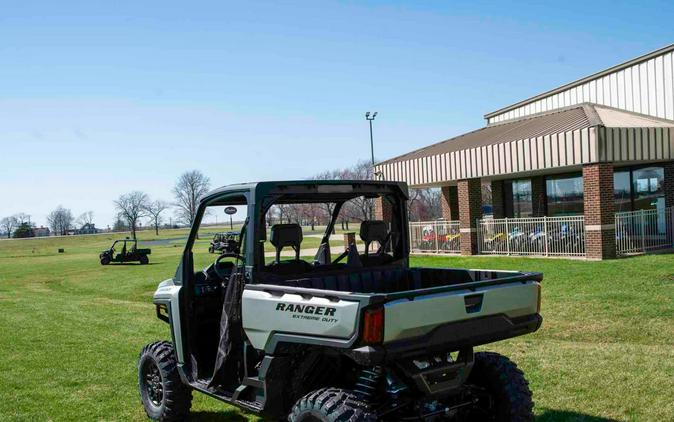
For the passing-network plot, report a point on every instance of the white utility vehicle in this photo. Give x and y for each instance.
(336, 336)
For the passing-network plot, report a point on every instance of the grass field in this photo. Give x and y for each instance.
(71, 330)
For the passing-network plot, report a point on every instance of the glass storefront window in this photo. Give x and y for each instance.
(639, 189)
(487, 201)
(622, 190)
(648, 187)
(565, 195)
(521, 199)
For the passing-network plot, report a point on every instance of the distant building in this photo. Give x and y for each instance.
(41, 231)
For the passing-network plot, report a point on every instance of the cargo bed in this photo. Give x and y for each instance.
(423, 307)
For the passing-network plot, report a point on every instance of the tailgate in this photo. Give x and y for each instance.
(418, 315)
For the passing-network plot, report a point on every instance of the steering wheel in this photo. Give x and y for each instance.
(216, 264)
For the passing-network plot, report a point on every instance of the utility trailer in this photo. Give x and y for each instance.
(353, 336)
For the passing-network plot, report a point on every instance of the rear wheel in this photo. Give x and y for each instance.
(330, 404)
(162, 393)
(144, 260)
(507, 397)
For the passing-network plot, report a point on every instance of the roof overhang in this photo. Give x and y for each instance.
(548, 142)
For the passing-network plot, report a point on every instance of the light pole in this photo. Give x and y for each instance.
(370, 118)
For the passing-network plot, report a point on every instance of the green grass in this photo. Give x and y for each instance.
(71, 330)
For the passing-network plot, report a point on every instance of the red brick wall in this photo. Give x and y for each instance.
(470, 209)
(450, 203)
(599, 211)
(669, 192)
(669, 184)
(383, 210)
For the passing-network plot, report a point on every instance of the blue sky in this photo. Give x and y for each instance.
(101, 98)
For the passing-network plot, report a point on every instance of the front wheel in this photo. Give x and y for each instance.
(105, 260)
(162, 393)
(508, 397)
(330, 404)
(144, 260)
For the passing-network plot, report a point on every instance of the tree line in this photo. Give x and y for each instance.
(131, 209)
(424, 204)
(134, 207)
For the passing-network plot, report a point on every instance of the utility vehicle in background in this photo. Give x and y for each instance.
(225, 242)
(125, 250)
(351, 336)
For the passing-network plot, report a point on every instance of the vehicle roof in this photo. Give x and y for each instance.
(253, 186)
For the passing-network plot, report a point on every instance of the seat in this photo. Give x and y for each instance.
(287, 235)
(375, 231)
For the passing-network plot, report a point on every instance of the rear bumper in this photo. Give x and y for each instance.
(450, 337)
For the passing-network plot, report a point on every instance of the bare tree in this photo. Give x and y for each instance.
(360, 208)
(154, 210)
(311, 213)
(8, 224)
(131, 207)
(284, 213)
(189, 188)
(86, 218)
(424, 204)
(119, 225)
(60, 220)
(329, 207)
(22, 218)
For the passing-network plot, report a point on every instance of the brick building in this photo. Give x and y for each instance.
(592, 148)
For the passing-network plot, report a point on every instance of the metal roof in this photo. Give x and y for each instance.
(581, 81)
(558, 121)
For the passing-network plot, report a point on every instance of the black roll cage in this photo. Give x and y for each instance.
(259, 197)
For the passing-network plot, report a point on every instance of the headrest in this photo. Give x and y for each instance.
(283, 235)
(373, 231)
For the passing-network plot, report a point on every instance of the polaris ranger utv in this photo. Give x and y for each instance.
(125, 250)
(225, 242)
(352, 336)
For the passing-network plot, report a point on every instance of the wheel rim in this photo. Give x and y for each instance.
(153, 383)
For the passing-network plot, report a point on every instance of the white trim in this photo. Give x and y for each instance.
(599, 227)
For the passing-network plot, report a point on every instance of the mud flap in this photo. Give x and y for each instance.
(228, 370)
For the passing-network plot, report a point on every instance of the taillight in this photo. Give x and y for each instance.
(373, 326)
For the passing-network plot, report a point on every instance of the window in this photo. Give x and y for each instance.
(564, 195)
(487, 199)
(648, 187)
(622, 190)
(519, 204)
(639, 189)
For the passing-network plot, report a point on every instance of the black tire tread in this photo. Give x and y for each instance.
(178, 396)
(507, 383)
(334, 404)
